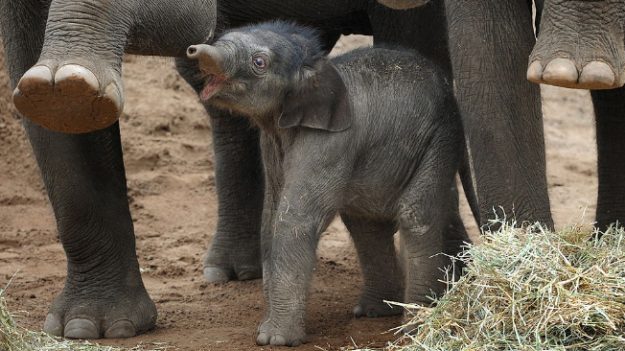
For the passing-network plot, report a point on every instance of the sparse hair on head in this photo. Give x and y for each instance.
(299, 36)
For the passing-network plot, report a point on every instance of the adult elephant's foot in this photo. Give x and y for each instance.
(277, 333)
(372, 303)
(69, 98)
(403, 4)
(84, 313)
(231, 271)
(581, 45)
(230, 258)
(374, 309)
(563, 72)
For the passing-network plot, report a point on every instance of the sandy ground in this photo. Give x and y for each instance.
(168, 155)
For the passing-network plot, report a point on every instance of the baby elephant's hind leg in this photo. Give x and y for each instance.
(424, 255)
(381, 271)
(456, 237)
(426, 217)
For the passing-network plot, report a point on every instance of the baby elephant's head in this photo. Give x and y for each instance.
(273, 69)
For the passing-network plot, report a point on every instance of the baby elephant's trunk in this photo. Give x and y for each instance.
(211, 58)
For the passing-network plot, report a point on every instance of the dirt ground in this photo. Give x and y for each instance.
(168, 157)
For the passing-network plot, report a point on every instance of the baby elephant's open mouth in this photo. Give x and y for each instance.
(212, 85)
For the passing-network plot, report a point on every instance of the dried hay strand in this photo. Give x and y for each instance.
(16, 338)
(528, 290)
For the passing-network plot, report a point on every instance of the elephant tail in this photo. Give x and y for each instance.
(469, 187)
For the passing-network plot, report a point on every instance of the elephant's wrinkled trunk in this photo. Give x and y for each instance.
(211, 58)
(212, 63)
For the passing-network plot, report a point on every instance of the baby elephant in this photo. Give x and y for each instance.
(373, 135)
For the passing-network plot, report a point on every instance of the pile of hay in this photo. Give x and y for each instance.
(16, 338)
(530, 290)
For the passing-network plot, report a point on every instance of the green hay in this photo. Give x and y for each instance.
(530, 290)
(16, 338)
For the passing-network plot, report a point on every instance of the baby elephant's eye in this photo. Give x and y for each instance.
(259, 62)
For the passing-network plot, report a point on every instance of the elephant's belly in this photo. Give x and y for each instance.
(369, 204)
(380, 179)
(374, 198)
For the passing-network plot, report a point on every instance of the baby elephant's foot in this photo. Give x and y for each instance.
(375, 308)
(280, 334)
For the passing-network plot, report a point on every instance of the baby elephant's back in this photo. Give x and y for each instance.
(398, 95)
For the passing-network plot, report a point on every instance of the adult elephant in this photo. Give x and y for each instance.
(581, 44)
(103, 295)
(75, 86)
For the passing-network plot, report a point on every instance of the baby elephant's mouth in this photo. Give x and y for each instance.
(212, 85)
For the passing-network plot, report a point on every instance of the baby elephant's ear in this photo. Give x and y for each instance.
(320, 102)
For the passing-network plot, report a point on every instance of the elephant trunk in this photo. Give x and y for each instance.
(212, 62)
(211, 58)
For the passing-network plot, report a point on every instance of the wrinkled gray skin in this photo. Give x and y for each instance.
(327, 130)
(84, 173)
(581, 44)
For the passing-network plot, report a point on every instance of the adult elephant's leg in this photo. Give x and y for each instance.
(235, 249)
(489, 42)
(103, 295)
(84, 177)
(610, 119)
(423, 29)
(22, 25)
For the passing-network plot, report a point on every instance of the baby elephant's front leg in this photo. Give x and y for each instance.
(296, 229)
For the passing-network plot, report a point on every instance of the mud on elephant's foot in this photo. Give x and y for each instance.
(69, 98)
(227, 260)
(276, 333)
(120, 313)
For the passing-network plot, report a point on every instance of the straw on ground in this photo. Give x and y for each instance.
(530, 290)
